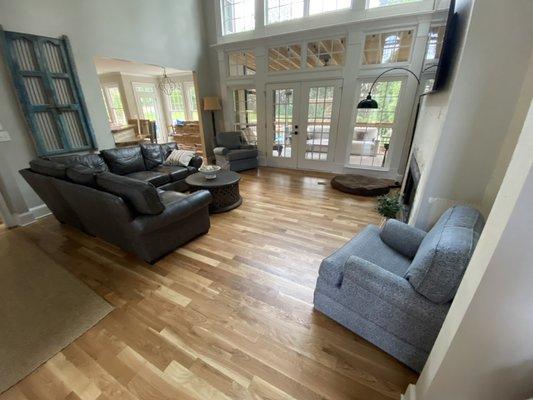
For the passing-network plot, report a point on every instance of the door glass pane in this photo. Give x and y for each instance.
(374, 127)
(283, 125)
(148, 108)
(320, 110)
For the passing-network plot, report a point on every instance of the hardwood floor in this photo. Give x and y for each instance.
(229, 315)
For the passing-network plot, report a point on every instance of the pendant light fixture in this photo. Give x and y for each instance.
(166, 85)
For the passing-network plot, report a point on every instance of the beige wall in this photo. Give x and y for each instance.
(172, 34)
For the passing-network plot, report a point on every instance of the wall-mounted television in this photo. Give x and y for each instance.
(449, 45)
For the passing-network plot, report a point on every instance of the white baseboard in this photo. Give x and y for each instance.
(410, 393)
(40, 211)
(32, 215)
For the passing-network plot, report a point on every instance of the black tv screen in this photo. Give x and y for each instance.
(448, 49)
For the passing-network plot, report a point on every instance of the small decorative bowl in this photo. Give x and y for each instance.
(209, 171)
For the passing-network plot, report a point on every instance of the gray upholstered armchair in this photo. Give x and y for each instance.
(233, 150)
(393, 286)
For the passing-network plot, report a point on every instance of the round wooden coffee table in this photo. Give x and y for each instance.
(224, 189)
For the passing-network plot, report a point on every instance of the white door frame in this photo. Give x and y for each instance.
(162, 128)
(300, 112)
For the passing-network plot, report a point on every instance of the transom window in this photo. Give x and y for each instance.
(245, 113)
(434, 46)
(283, 10)
(241, 63)
(284, 58)
(387, 48)
(322, 6)
(384, 3)
(238, 16)
(325, 53)
(374, 128)
(182, 103)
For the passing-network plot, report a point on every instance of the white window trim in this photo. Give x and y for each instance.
(394, 137)
(367, 5)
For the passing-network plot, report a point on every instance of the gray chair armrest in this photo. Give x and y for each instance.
(173, 212)
(248, 147)
(401, 237)
(220, 151)
(392, 289)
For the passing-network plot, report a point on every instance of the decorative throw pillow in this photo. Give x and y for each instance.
(360, 136)
(180, 157)
(248, 136)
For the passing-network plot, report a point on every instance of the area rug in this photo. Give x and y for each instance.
(43, 308)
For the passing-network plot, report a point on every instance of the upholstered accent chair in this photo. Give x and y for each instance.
(394, 286)
(231, 149)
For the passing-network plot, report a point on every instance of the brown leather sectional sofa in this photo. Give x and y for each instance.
(126, 196)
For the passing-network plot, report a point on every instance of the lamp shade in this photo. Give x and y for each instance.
(369, 102)
(212, 104)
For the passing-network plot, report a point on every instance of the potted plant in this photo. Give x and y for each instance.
(389, 205)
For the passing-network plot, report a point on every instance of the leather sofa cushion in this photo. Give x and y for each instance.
(153, 155)
(142, 196)
(82, 175)
(153, 177)
(94, 161)
(175, 172)
(168, 147)
(49, 168)
(169, 196)
(444, 254)
(229, 140)
(241, 154)
(124, 160)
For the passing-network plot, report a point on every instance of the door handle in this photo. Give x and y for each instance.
(295, 132)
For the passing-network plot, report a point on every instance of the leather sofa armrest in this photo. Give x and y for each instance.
(220, 151)
(248, 147)
(173, 212)
(196, 162)
(403, 238)
(391, 288)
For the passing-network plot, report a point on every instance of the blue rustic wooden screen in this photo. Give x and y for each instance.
(49, 92)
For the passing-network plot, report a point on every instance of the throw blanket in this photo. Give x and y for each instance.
(179, 157)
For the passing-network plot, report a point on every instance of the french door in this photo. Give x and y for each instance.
(302, 122)
(148, 105)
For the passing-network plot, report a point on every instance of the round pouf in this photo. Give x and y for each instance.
(362, 185)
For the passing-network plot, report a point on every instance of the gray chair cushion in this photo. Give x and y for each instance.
(153, 155)
(124, 160)
(368, 246)
(82, 175)
(49, 168)
(441, 260)
(142, 196)
(176, 173)
(401, 237)
(241, 154)
(230, 140)
(154, 177)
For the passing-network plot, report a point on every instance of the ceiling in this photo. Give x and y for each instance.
(106, 65)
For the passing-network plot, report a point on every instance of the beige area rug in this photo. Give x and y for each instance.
(43, 308)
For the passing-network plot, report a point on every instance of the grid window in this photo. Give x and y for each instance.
(434, 46)
(384, 3)
(325, 53)
(284, 10)
(190, 92)
(238, 15)
(387, 48)
(284, 58)
(241, 63)
(375, 127)
(115, 106)
(322, 6)
(182, 103)
(283, 124)
(320, 103)
(245, 113)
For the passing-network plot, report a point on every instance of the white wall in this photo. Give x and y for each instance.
(162, 32)
(460, 139)
(484, 349)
